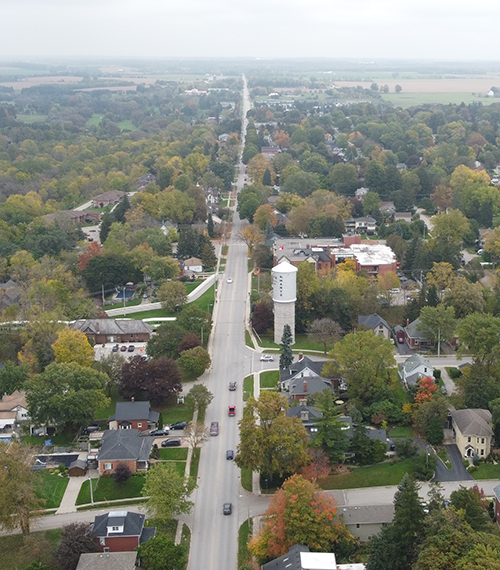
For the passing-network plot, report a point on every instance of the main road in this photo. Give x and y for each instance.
(214, 536)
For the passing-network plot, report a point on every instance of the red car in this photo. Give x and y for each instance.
(232, 410)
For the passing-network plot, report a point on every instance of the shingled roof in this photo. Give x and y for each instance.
(123, 444)
(112, 326)
(129, 411)
(473, 422)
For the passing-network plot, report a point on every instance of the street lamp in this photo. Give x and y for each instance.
(91, 490)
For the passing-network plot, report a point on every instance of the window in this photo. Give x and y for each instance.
(106, 549)
(139, 424)
(108, 466)
(115, 528)
(482, 440)
(357, 525)
(482, 451)
(468, 440)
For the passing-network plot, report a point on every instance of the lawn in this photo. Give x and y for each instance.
(244, 535)
(173, 412)
(14, 557)
(406, 100)
(487, 471)
(32, 118)
(248, 339)
(302, 342)
(105, 413)
(195, 462)
(378, 475)
(247, 387)
(246, 479)
(153, 314)
(51, 489)
(269, 379)
(174, 454)
(403, 431)
(105, 489)
(127, 125)
(132, 303)
(445, 458)
(57, 439)
(225, 249)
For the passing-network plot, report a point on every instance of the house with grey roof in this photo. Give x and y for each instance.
(124, 446)
(121, 531)
(365, 521)
(109, 198)
(414, 368)
(415, 338)
(107, 561)
(308, 415)
(377, 324)
(364, 224)
(303, 378)
(133, 415)
(101, 331)
(299, 557)
(10, 294)
(472, 431)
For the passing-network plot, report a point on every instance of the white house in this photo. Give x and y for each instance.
(414, 368)
(13, 409)
(193, 264)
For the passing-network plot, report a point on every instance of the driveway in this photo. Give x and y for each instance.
(457, 473)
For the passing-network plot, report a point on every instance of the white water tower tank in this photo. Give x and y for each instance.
(284, 297)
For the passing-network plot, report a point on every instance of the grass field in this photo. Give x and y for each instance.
(405, 100)
(132, 303)
(105, 489)
(269, 379)
(404, 431)
(247, 387)
(487, 471)
(246, 479)
(15, 557)
(52, 488)
(445, 458)
(149, 314)
(28, 119)
(244, 535)
(370, 476)
(94, 120)
(127, 125)
(174, 454)
(195, 462)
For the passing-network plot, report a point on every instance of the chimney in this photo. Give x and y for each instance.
(301, 357)
(304, 415)
(407, 322)
(305, 385)
(132, 399)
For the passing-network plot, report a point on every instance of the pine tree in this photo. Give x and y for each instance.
(107, 220)
(266, 179)
(210, 226)
(286, 357)
(120, 210)
(208, 257)
(432, 297)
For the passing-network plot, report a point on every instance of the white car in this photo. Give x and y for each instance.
(229, 279)
(266, 357)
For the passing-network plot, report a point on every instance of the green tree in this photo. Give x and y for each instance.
(208, 257)
(326, 331)
(193, 363)
(167, 492)
(172, 295)
(161, 553)
(438, 323)
(447, 236)
(331, 435)
(66, 394)
(366, 450)
(166, 341)
(73, 346)
(210, 226)
(286, 356)
(76, 539)
(13, 377)
(266, 179)
(474, 506)
(200, 397)
(271, 442)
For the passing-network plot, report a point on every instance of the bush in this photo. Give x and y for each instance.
(437, 374)
(454, 373)
(424, 465)
(406, 448)
(122, 473)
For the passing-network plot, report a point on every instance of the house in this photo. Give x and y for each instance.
(377, 324)
(133, 415)
(415, 368)
(402, 217)
(110, 198)
(143, 181)
(107, 561)
(16, 405)
(120, 531)
(303, 387)
(309, 415)
(101, 331)
(299, 557)
(472, 431)
(360, 194)
(193, 264)
(366, 521)
(77, 468)
(303, 368)
(387, 207)
(74, 216)
(270, 151)
(124, 446)
(416, 338)
(10, 294)
(365, 224)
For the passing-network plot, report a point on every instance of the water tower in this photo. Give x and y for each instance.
(284, 297)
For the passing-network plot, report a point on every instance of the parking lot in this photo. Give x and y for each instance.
(101, 350)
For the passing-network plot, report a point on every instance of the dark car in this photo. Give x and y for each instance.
(115, 348)
(91, 428)
(229, 454)
(172, 442)
(214, 428)
(123, 348)
(227, 508)
(160, 432)
(232, 386)
(179, 425)
(131, 348)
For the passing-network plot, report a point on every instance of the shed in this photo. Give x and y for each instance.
(77, 468)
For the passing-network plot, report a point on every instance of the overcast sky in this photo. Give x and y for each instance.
(396, 29)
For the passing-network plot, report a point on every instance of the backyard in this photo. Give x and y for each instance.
(51, 488)
(16, 557)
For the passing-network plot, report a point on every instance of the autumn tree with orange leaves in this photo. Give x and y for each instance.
(299, 513)
(94, 248)
(425, 390)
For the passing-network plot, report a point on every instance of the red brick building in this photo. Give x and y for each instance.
(124, 446)
(120, 531)
(133, 415)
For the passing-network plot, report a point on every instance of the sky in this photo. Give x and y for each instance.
(371, 29)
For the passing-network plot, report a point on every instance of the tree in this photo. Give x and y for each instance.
(189, 341)
(441, 276)
(252, 236)
(154, 380)
(318, 468)
(167, 492)
(262, 317)
(12, 378)
(325, 331)
(366, 450)
(194, 319)
(479, 335)
(365, 360)
(111, 364)
(66, 394)
(286, 356)
(76, 539)
(73, 346)
(196, 433)
(299, 513)
(465, 297)
(438, 323)
(331, 435)
(167, 339)
(424, 416)
(398, 89)
(122, 473)
(193, 362)
(473, 503)
(271, 442)
(172, 295)
(19, 495)
(200, 397)
(208, 257)
(161, 553)
(210, 226)
(109, 270)
(266, 178)
(447, 236)
(263, 215)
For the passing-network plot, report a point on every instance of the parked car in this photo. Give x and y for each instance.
(91, 428)
(123, 348)
(159, 432)
(401, 337)
(266, 357)
(214, 428)
(131, 348)
(232, 386)
(227, 508)
(480, 251)
(229, 454)
(172, 442)
(115, 348)
(179, 425)
(232, 410)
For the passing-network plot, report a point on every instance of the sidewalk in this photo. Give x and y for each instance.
(68, 502)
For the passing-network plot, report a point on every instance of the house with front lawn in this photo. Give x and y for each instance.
(472, 431)
(124, 446)
(133, 415)
(413, 369)
(375, 323)
(303, 368)
(121, 531)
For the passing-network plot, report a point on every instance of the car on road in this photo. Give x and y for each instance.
(123, 348)
(232, 386)
(266, 357)
(229, 454)
(115, 348)
(229, 279)
(232, 410)
(131, 348)
(214, 428)
(179, 425)
(172, 442)
(227, 508)
(159, 432)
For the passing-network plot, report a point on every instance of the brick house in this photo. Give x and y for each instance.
(133, 415)
(107, 561)
(124, 446)
(114, 330)
(107, 199)
(120, 531)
